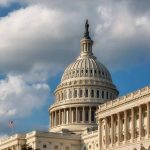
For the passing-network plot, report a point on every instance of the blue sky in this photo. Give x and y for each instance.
(40, 38)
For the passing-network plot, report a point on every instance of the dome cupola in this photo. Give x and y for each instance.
(85, 84)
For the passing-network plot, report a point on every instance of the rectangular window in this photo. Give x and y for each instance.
(97, 93)
(86, 93)
(75, 93)
(102, 94)
(92, 93)
(92, 115)
(80, 93)
(86, 115)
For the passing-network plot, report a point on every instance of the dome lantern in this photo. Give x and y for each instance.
(86, 42)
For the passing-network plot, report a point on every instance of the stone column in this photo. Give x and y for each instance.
(106, 135)
(125, 126)
(76, 114)
(90, 114)
(148, 120)
(51, 119)
(70, 117)
(118, 118)
(140, 121)
(112, 130)
(133, 125)
(99, 135)
(64, 119)
(59, 117)
(55, 117)
(83, 115)
(62, 116)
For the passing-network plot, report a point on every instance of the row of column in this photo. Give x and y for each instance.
(127, 126)
(73, 115)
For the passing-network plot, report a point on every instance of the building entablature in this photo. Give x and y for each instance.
(75, 103)
(125, 102)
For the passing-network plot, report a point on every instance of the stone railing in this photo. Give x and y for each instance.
(51, 134)
(10, 138)
(90, 133)
(126, 98)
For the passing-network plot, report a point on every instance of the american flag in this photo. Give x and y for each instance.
(11, 124)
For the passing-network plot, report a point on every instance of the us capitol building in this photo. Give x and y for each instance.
(87, 113)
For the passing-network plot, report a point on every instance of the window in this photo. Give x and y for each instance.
(62, 96)
(86, 71)
(107, 95)
(102, 94)
(86, 115)
(92, 115)
(91, 71)
(70, 94)
(95, 71)
(56, 147)
(110, 95)
(86, 93)
(75, 93)
(67, 148)
(80, 115)
(97, 93)
(80, 93)
(92, 93)
(44, 146)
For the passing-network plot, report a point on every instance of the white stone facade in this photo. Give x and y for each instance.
(87, 115)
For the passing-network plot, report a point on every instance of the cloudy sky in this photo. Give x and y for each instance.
(39, 38)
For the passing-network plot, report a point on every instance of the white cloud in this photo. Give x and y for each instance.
(42, 38)
(6, 2)
(18, 97)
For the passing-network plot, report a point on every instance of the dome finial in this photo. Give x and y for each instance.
(86, 34)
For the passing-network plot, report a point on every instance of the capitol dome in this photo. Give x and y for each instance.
(86, 67)
(85, 84)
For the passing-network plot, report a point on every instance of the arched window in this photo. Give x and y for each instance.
(92, 93)
(86, 93)
(97, 93)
